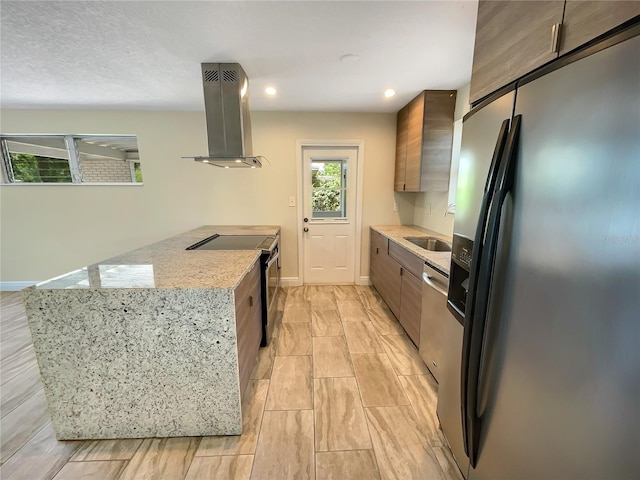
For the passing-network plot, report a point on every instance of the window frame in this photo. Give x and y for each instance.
(73, 158)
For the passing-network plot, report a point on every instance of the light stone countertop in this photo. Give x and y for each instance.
(166, 264)
(144, 344)
(396, 233)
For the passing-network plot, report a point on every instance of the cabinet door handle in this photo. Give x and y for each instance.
(251, 300)
(555, 37)
(377, 250)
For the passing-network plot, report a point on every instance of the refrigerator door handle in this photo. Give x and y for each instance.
(504, 184)
(475, 268)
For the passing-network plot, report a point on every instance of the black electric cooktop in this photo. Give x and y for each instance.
(234, 242)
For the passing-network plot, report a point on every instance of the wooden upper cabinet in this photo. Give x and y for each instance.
(423, 142)
(512, 39)
(401, 148)
(414, 144)
(584, 21)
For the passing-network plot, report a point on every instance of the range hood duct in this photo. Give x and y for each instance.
(226, 106)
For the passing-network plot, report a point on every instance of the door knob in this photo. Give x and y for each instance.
(305, 219)
(305, 229)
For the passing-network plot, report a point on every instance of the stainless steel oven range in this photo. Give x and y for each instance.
(269, 271)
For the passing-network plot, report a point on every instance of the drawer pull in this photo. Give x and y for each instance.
(251, 300)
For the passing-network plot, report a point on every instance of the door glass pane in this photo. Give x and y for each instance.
(328, 189)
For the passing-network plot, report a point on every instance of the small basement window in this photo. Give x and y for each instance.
(98, 159)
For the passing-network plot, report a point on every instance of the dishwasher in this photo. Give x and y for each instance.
(434, 314)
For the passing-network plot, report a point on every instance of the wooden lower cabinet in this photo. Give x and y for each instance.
(248, 305)
(385, 272)
(411, 305)
(398, 287)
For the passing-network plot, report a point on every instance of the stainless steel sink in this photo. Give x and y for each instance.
(430, 243)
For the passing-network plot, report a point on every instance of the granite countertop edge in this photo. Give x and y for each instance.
(396, 233)
(167, 264)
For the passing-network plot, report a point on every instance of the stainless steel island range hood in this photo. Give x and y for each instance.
(226, 106)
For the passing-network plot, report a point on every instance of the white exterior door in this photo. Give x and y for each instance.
(329, 209)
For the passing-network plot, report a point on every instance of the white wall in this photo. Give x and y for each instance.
(49, 230)
(429, 207)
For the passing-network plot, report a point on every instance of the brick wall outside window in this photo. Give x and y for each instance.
(105, 170)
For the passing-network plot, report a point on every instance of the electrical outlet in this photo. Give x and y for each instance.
(292, 201)
(395, 206)
(427, 209)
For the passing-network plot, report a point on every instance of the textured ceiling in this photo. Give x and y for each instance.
(147, 55)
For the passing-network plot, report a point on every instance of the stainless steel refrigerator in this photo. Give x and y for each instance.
(542, 375)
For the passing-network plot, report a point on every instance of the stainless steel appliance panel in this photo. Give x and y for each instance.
(271, 290)
(434, 315)
(559, 389)
(479, 133)
(449, 411)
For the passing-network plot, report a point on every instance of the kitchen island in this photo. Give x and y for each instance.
(146, 344)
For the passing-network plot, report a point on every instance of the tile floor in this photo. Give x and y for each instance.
(340, 393)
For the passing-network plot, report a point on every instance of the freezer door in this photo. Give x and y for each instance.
(559, 390)
(479, 134)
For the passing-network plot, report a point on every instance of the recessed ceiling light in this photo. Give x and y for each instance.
(389, 92)
(270, 91)
(238, 161)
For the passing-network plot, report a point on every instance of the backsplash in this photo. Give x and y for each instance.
(428, 212)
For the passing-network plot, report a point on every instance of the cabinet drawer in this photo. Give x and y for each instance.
(408, 260)
(379, 242)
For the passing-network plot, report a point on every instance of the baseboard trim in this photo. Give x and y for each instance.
(364, 280)
(14, 286)
(290, 282)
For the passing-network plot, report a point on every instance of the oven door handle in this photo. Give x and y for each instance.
(273, 259)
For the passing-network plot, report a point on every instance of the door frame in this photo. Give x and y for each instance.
(357, 144)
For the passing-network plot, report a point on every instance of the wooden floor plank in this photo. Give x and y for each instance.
(17, 363)
(97, 450)
(403, 355)
(331, 357)
(286, 443)
(19, 389)
(422, 391)
(13, 342)
(40, 458)
(352, 310)
(221, 468)
(326, 323)
(103, 470)
(22, 423)
(362, 337)
(383, 321)
(291, 386)
(379, 385)
(340, 423)
(400, 445)
(297, 311)
(352, 465)
(285, 447)
(165, 458)
(295, 339)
